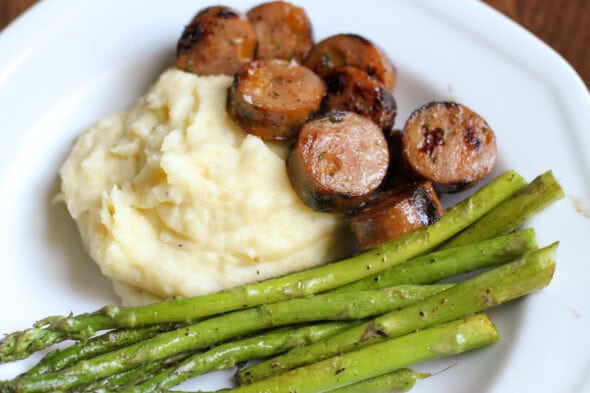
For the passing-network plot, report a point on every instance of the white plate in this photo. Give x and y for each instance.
(65, 64)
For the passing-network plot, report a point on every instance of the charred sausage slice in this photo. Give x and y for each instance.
(355, 51)
(338, 161)
(273, 98)
(284, 31)
(394, 213)
(353, 90)
(395, 172)
(449, 145)
(217, 41)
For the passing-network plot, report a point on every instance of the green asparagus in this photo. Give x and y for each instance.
(59, 359)
(439, 265)
(528, 273)
(389, 355)
(227, 355)
(401, 380)
(345, 306)
(55, 329)
(513, 212)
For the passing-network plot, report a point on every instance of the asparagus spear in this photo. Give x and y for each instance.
(528, 273)
(389, 355)
(342, 306)
(513, 212)
(227, 355)
(439, 265)
(401, 380)
(55, 329)
(61, 358)
(137, 375)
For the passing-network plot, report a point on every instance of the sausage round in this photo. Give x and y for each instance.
(449, 145)
(394, 213)
(284, 31)
(338, 161)
(272, 98)
(352, 50)
(217, 41)
(353, 90)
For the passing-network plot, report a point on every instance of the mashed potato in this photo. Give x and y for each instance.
(172, 198)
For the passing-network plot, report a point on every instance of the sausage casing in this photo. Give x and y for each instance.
(355, 51)
(449, 145)
(338, 161)
(394, 213)
(353, 90)
(217, 41)
(284, 31)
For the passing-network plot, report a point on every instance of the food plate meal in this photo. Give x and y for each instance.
(99, 58)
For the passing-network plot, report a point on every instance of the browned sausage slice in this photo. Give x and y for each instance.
(273, 98)
(394, 213)
(350, 89)
(284, 31)
(217, 41)
(448, 144)
(338, 161)
(352, 50)
(395, 172)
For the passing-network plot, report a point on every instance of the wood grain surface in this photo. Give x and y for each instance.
(563, 24)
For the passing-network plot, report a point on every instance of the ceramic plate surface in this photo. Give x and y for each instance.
(64, 65)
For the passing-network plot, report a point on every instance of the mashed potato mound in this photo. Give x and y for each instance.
(173, 199)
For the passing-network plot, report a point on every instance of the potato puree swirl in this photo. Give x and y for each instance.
(172, 198)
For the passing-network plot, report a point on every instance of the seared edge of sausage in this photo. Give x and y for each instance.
(218, 40)
(284, 31)
(353, 90)
(448, 144)
(355, 51)
(338, 161)
(391, 214)
(272, 98)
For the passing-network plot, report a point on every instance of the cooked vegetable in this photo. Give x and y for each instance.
(227, 355)
(389, 355)
(55, 329)
(342, 306)
(440, 265)
(529, 273)
(513, 212)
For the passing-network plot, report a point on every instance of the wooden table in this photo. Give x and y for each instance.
(563, 24)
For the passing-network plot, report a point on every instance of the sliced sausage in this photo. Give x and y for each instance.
(284, 31)
(394, 213)
(338, 161)
(353, 90)
(352, 50)
(395, 175)
(217, 41)
(449, 145)
(272, 98)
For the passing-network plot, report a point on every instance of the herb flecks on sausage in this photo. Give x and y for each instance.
(338, 161)
(272, 98)
(284, 31)
(218, 40)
